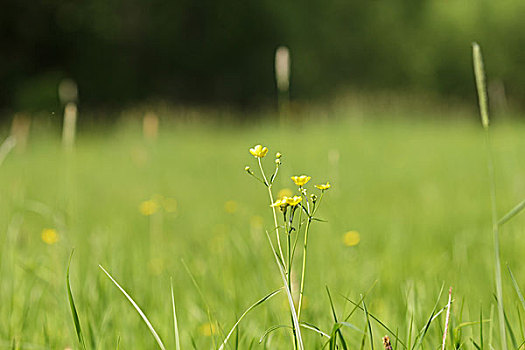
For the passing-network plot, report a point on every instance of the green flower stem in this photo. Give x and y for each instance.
(269, 187)
(305, 249)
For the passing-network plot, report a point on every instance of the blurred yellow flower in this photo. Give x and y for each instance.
(207, 329)
(293, 201)
(351, 238)
(324, 186)
(49, 235)
(285, 192)
(148, 207)
(230, 206)
(301, 180)
(258, 151)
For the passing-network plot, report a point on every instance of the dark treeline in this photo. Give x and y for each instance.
(222, 51)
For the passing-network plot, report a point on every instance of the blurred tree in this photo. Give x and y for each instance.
(221, 51)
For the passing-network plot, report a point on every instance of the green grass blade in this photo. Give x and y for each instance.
(516, 287)
(201, 294)
(512, 213)
(259, 302)
(138, 309)
(339, 333)
(378, 321)
(511, 332)
(175, 323)
(367, 318)
(74, 313)
(315, 329)
(271, 329)
(481, 326)
(433, 315)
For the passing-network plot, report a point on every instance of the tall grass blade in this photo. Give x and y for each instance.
(338, 331)
(447, 318)
(512, 213)
(481, 326)
(175, 323)
(74, 313)
(138, 309)
(433, 316)
(511, 333)
(367, 318)
(516, 287)
(482, 98)
(208, 310)
(267, 297)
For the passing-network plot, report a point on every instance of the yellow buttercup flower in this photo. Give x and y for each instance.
(279, 202)
(351, 238)
(149, 207)
(49, 235)
(293, 201)
(301, 180)
(324, 186)
(259, 151)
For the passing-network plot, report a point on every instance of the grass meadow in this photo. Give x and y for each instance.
(414, 187)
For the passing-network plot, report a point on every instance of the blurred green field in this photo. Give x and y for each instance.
(416, 191)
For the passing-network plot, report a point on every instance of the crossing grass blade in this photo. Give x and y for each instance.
(175, 323)
(138, 309)
(512, 213)
(74, 313)
(259, 302)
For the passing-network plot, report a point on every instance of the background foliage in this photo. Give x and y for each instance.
(222, 51)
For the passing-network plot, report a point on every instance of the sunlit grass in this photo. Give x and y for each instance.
(415, 191)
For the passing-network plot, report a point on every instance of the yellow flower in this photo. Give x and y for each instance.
(279, 202)
(293, 201)
(230, 206)
(351, 238)
(49, 235)
(324, 186)
(301, 180)
(149, 207)
(259, 151)
(207, 329)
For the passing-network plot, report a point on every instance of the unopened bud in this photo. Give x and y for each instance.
(278, 161)
(278, 155)
(247, 169)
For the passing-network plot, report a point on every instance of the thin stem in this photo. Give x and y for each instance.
(269, 187)
(305, 249)
(495, 232)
